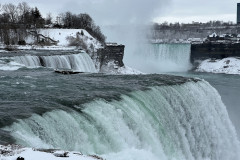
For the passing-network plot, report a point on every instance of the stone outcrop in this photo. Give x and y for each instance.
(112, 54)
(67, 72)
(214, 50)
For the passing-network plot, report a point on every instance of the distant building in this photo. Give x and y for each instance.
(238, 13)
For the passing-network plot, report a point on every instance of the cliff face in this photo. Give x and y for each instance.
(214, 50)
(111, 57)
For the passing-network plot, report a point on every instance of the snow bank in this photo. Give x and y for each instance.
(12, 152)
(36, 47)
(227, 65)
(61, 35)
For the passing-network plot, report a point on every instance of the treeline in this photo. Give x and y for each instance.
(81, 21)
(16, 20)
(21, 15)
(183, 31)
(177, 25)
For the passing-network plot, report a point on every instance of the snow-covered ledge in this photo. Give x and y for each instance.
(16, 152)
(229, 65)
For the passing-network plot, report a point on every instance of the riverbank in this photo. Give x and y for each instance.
(16, 152)
(229, 65)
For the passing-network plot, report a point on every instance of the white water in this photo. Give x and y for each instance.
(79, 62)
(179, 122)
(161, 58)
(9, 66)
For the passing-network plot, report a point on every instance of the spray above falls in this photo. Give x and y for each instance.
(161, 58)
(129, 26)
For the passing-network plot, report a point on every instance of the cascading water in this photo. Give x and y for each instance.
(174, 122)
(159, 58)
(79, 62)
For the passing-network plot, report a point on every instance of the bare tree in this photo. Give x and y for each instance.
(23, 10)
(11, 9)
(68, 19)
(48, 19)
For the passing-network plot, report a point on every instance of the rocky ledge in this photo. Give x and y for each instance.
(214, 50)
(110, 57)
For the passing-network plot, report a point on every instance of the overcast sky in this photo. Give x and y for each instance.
(106, 12)
(199, 10)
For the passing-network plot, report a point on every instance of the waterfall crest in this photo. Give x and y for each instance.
(175, 122)
(79, 62)
(161, 58)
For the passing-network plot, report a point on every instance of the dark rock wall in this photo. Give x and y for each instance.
(214, 50)
(113, 53)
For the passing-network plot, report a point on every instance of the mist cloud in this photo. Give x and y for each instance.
(119, 11)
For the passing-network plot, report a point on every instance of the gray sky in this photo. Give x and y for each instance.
(106, 12)
(199, 10)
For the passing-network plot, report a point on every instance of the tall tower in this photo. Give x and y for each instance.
(238, 13)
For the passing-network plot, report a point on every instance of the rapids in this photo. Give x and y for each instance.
(78, 62)
(182, 120)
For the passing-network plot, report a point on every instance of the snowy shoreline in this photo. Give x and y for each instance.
(12, 152)
(4, 48)
(228, 65)
(61, 36)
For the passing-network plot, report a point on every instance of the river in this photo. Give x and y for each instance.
(152, 116)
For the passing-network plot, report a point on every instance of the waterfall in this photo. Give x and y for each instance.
(79, 62)
(161, 58)
(173, 122)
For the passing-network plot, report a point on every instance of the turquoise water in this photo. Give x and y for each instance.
(228, 87)
(132, 117)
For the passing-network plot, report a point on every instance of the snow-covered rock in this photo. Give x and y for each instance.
(112, 68)
(128, 70)
(213, 35)
(227, 65)
(12, 152)
(223, 35)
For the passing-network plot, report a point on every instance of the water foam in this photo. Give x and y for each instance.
(178, 122)
(9, 66)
